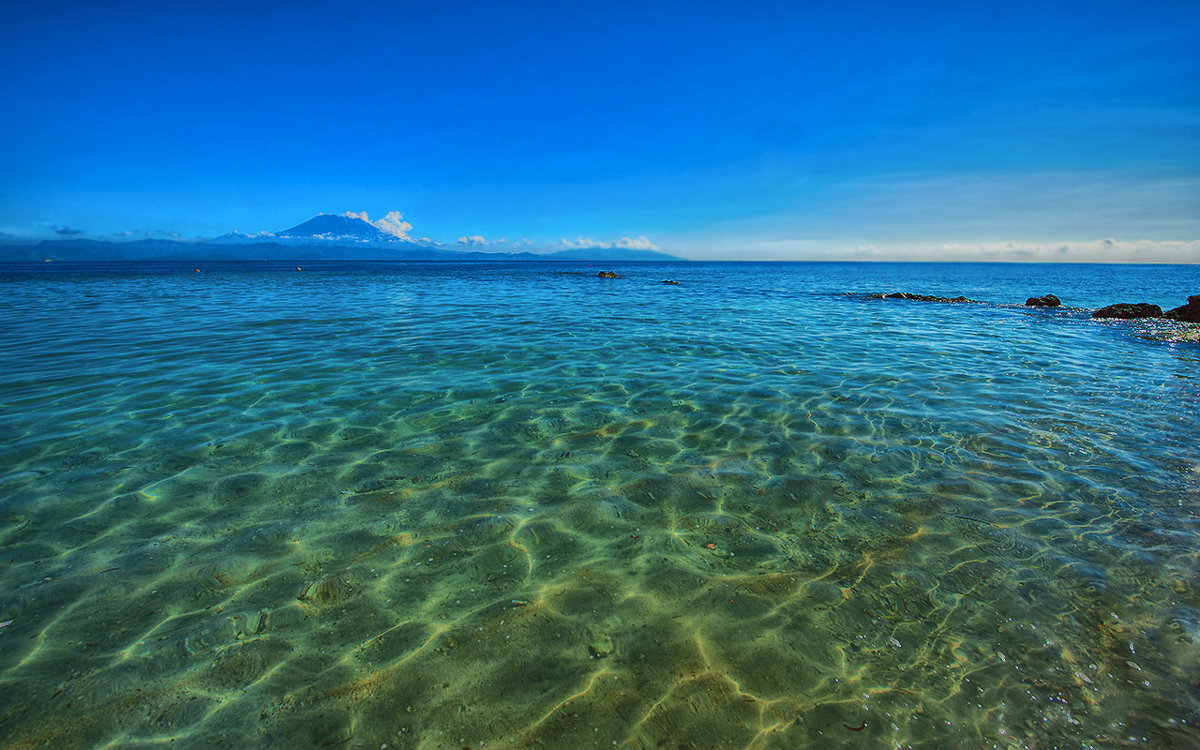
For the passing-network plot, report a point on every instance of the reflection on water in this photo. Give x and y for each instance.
(438, 507)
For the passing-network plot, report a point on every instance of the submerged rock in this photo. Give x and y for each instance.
(671, 282)
(607, 275)
(1048, 300)
(922, 297)
(600, 647)
(1129, 311)
(1189, 313)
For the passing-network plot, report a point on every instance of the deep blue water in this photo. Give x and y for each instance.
(447, 504)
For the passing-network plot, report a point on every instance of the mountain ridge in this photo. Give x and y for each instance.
(323, 237)
(335, 227)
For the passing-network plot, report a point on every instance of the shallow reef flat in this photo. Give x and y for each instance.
(511, 508)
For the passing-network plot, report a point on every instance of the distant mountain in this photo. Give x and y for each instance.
(237, 238)
(323, 237)
(321, 229)
(337, 228)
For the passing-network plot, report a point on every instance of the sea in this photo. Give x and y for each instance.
(464, 505)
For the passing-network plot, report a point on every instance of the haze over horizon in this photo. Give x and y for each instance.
(931, 131)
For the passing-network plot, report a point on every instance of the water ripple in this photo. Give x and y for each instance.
(432, 505)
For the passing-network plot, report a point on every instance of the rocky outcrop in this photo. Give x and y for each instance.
(1129, 311)
(1189, 313)
(1048, 300)
(670, 282)
(922, 297)
(607, 275)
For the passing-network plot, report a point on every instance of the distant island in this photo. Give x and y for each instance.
(324, 237)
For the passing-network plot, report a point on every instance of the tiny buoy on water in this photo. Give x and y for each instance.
(297, 268)
(197, 270)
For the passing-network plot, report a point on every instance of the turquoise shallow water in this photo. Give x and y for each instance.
(515, 505)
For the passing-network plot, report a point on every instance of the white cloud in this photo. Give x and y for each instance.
(474, 239)
(629, 243)
(637, 243)
(393, 223)
(1107, 250)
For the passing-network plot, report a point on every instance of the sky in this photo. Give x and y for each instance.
(757, 131)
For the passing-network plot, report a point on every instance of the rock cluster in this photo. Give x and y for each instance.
(607, 275)
(921, 297)
(1048, 300)
(671, 282)
(1189, 313)
(1129, 311)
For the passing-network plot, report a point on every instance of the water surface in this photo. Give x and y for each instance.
(441, 505)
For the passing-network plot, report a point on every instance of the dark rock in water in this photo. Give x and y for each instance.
(600, 647)
(1189, 313)
(607, 275)
(672, 283)
(922, 297)
(1048, 300)
(1129, 311)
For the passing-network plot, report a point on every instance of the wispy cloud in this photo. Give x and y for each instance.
(149, 234)
(629, 243)
(68, 232)
(987, 207)
(1106, 250)
(392, 223)
(527, 245)
(478, 240)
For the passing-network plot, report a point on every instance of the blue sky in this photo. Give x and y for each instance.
(714, 130)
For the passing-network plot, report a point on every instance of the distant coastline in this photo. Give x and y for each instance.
(325, 237)
(174, 250)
